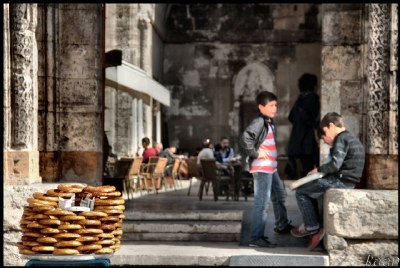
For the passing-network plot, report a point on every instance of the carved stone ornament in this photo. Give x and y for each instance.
(393, 87)
(23, 25)
(378, 79)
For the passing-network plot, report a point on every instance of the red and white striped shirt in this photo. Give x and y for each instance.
(268, 164)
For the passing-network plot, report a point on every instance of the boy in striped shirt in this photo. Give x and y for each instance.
(258, 143)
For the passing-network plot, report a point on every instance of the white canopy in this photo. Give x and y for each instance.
(136, 79)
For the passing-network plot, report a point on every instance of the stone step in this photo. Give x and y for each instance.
(200, 215)
(204, 237)
(211, 227)
(212, 254)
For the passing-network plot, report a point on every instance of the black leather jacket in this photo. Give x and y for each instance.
(253, 136)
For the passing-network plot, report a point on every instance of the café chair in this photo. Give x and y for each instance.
(171, 174)
(210, 174)
(131, 182)
(152, 178)
(193, 171)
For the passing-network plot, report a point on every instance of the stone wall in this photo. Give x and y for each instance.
(215, 64)
(20, 104)
(136, 30)
(382, 106)
(343, 86)
(70, 44)
(14, 200)
(360, 223)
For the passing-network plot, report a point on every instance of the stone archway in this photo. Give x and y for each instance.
(250, 80)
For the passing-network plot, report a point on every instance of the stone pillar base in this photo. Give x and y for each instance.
(366, 253)
(22, 167)
(49, 166)
(383, 172)
(79, 166)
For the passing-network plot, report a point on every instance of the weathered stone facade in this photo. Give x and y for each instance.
(214, 58)
(70, 92)
(14, 199)
(215, 64)
(133, 29)
(343, 89)
(359, 223)
(383, 90)
(21, 97)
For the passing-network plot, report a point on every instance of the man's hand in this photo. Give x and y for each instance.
(312, 171)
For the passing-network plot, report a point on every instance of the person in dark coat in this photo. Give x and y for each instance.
(304, 115)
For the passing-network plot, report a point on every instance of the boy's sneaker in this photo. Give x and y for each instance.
(285, 230)
(316, 239)
(262, 242)
(301, 231)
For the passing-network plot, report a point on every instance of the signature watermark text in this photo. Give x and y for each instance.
(382, 261)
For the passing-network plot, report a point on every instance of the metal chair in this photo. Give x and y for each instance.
(210, 174)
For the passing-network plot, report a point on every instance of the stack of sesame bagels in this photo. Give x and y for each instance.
(48, 229)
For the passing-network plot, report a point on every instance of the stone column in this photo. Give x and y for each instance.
(23, 160)
(342, 86)
(382, 161)
(393, 87)
(144, 26)
(6, 86)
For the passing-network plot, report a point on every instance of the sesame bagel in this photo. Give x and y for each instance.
(65, 251)
(58, 193)
(68, 244)
(92, 214)
(45, 197)
(99, 189)
(70, 188)
(67, 236)
(47, 240)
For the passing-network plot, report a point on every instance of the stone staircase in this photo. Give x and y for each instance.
(199, 226)
(173, 229)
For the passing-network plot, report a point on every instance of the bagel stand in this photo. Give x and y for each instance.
(95, 262)
(68, 260)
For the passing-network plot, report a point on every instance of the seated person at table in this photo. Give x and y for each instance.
(159, 147)
(208, 153)
(170, 154)
(148, 151)
(227, 151)
(218, 153)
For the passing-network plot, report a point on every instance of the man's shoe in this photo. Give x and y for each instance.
(301, 231)
(285, 230)
(261, 242)
(316, 239)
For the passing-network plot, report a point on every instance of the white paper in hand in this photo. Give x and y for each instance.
(305, 180)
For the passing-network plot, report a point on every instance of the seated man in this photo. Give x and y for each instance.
(343, 170)
(158, 147)
(227, 151)
(208, 153)
(218, 152)
(170, 154)
(148, 151)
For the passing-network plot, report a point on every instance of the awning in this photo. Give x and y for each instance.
(136, 79)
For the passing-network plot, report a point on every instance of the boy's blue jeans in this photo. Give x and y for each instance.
(266, 186)
(307, 193)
